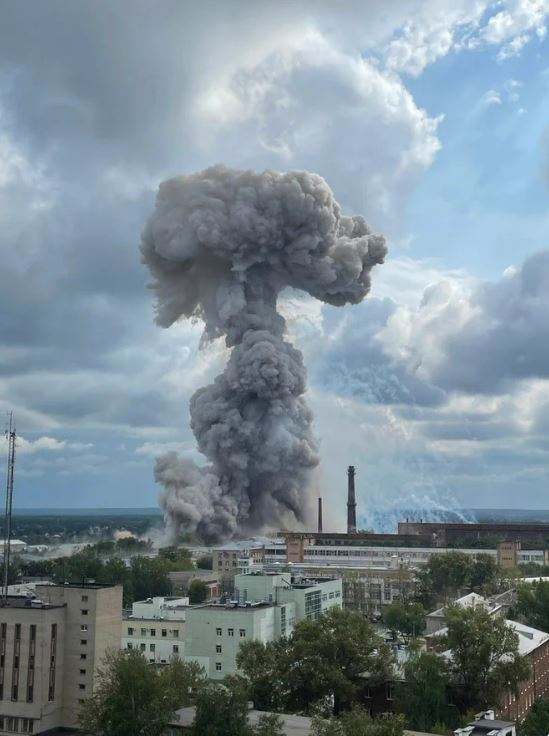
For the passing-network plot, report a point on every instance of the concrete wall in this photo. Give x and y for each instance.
(92, 627)
(158, 640)
(214, 634)
(44, 712)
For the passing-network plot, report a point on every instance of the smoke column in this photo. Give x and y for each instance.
(221, 245)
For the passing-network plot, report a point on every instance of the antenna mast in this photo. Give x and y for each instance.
(11, 437)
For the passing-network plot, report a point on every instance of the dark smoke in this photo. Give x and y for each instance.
(221, 245)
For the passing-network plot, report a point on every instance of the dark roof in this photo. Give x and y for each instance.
(487, 724)
(29, 604)
(83, 586)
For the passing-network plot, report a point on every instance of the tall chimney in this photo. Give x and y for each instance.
(351, 500)
(320, 516)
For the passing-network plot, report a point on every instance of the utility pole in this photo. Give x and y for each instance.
(11, 436)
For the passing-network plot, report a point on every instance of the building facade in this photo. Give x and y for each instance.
(265, 608)
(156, 628)
(50, 648)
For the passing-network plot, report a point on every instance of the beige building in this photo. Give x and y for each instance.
(50, 647)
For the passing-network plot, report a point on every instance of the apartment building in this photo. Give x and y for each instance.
(265, 608)
(50, 648)
(229, 558)
(156, 628)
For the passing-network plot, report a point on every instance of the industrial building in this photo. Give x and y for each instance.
(454, 534)
(50, 648)
(265, 608)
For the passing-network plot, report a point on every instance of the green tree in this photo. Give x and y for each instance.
(484, 577)
(423, 696)
(536, 722)
(322, 659)
(449, 573)
(205, 562)
(533, 604)
(408, 620)
(130, 697)
(149, 577)
(198, 591)
(220, 711)
(179, 557)
(485, 660)
(187, 679)
(357, 722)
(263, 668)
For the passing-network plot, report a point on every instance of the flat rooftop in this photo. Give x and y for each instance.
(231, 607)
(29, 604)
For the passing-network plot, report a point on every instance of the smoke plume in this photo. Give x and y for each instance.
(221, 245)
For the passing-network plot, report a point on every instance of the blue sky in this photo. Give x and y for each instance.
(428, 117)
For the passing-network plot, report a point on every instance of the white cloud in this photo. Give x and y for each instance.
(48, 444)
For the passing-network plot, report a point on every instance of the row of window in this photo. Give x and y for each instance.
(16, 725)
(152, 647)
(164, 632)
(230, 632)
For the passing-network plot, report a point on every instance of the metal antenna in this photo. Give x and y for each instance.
(11, 436)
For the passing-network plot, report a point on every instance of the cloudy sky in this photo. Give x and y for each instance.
(429, 117)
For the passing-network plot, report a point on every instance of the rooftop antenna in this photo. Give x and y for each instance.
(11, 436)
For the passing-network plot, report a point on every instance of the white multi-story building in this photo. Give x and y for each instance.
(266, 607)
(156, 627)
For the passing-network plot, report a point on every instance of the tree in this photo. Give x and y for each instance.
(187, 679)
(357, 722)
(198, 591)
(409, 619)
(130, 697)
(484, 575)
(222, 710)
(536, 722)
(449, 572)
(263, 668)
(423, 696)
(485, 660)
(533, 604)
(178, 557)
(149, 577)
(205, 562)
(326, 658)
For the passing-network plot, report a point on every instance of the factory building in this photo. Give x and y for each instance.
(452, 534)
(50, 648)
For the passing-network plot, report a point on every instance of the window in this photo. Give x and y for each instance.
(230, 632)
(27, 725)
(389, 691)
(164, 632)
(129, 646)
(175, 649)
(142, 647)
(176, 633)
(143, 632)
(83, 656)
(331, 596)
(81, 686)
(82, 672)
(218, 648)
(153, 632)
(218, 631)
(84, 599)
(84, 611)
(130, 631)
(84, 627)
(152, 647)
(218, 666)
(83, 642)
(242, 633)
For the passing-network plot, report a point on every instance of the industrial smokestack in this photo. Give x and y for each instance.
(351, 500)
(320, 516)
